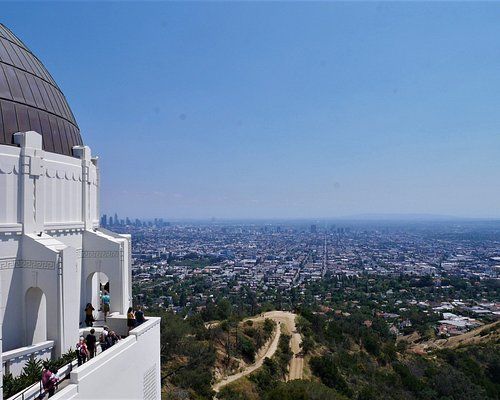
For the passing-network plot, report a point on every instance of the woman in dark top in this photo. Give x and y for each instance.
(139, 316)
(130, 319)
(89, 315)
(91, 341)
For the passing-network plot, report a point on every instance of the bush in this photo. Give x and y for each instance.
(371, 344)
(269, 325)
(302, 390)
(32, 373)
(409, 381)
(246, 348)
(325, 368)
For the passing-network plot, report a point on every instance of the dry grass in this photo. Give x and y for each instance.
(485, 333)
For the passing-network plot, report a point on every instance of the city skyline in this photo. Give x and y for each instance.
(260, 110)
(113, 219)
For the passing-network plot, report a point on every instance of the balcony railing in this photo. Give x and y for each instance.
(14, 360)
(72, 376)
(32, 392)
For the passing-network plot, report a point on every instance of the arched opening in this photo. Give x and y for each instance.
(97, 284)
(36, 316)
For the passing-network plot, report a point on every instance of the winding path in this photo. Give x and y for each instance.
(296, 364)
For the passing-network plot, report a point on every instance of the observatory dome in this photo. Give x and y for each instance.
(30, 100)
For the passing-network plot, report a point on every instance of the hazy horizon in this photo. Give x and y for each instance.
(280, 110)
(360, 218)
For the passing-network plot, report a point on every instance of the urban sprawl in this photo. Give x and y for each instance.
(183, 267)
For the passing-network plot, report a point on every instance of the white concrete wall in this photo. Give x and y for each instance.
(61, 179)
(44, 192)
(50, 241)
(107, 254)
(1, 346)
(11, 296)
(14, 361)
(63, 189)
(9, 193)
(128, 370)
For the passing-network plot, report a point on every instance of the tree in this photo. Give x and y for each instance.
(325, 368)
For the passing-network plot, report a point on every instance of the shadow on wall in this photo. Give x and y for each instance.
(36, 316)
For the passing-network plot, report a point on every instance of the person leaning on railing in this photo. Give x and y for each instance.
(139, 316)
(49, 381)
(130, 319)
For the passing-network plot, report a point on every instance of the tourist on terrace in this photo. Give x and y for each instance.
(139, 316)
(82, 352)
(130, 319)
(103, 338)
(91, 343)
(89, 315)
(105, 304)
(49, 381)
(112, 338)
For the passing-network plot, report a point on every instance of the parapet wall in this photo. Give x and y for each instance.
(128, 370)
(66, 188)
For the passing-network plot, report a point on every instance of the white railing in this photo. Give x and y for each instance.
(14, 360)
(32, 392)
(137, 357)
(90, 377)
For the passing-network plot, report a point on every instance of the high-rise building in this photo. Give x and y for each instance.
(54, 256)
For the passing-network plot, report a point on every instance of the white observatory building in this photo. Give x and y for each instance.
(54, 256)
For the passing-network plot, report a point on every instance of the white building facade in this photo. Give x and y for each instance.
(54, 256)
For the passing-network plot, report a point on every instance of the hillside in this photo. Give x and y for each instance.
(285, 330)
(363, 360)
(482, 335)
(195, 354)
(241, 344)
(341, 356)
(350, 358)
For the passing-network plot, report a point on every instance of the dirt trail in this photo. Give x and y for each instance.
(287, 321)
(296, 367)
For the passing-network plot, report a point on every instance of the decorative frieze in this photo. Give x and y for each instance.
(13, 263)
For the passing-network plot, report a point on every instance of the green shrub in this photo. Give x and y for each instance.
(325, 368)
(32, 373)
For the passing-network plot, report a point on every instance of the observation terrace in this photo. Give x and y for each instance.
(104, 372)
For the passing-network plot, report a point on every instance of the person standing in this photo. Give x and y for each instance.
(81, 351)
(112, 338)
(89, 315)
(91, 343)
(130, 319)
(103, 338)
(105, 304)
(139, 316)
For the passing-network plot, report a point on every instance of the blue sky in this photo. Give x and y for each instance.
(280, 110)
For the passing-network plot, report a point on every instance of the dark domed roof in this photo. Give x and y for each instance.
(30, 100)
